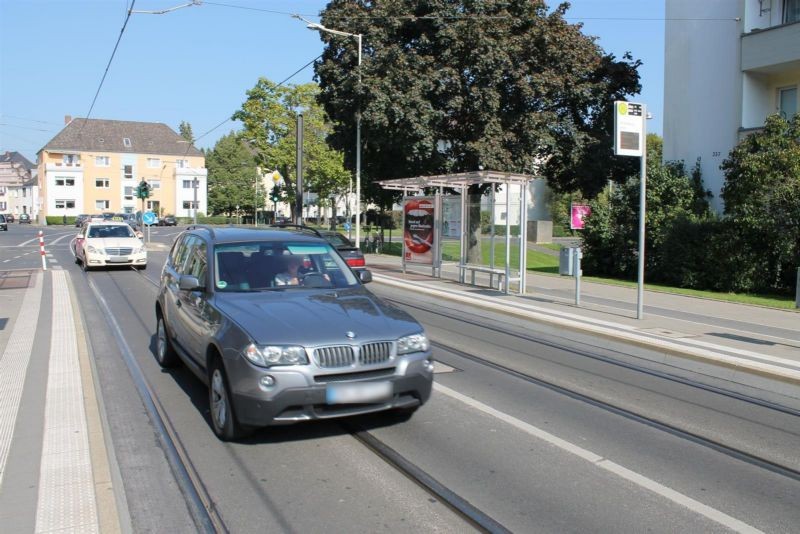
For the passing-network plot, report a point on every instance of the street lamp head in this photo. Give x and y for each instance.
(316, 27)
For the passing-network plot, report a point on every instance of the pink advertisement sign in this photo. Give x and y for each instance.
(577, 213)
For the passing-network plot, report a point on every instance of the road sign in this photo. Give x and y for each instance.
(628, 129)
(149, 218)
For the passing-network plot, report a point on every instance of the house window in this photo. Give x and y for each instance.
(187, 184)
(127, 172)
(126, 142)
(189, 205)
(182, 163)
(791, 11)
(102, 183)
(65, 204)
(154, 184)
(3, 206)
(128, 192)
(102, 204)
(71, 159)
(68, 182)
(787, 102)
(2, 190)
(102, 161)
(153, 163)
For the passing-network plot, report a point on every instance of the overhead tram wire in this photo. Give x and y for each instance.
(108, 66)
(295, 73)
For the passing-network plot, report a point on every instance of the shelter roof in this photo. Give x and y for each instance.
(457, 180)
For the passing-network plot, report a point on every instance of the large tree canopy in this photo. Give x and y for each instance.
(232, 177)
(451, 85)
(269, 116)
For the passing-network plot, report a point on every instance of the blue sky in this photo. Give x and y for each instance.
(195, 64)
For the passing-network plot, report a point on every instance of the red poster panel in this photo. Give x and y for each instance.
(418, 235)
(577, 214)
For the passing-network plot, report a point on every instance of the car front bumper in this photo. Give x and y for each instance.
(296, 397)
(103, 260)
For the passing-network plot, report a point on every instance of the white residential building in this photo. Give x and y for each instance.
(728, 65)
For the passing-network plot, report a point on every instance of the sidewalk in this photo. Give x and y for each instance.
(750, 345)
(54, 469)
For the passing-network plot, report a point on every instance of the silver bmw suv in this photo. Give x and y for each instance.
(282, 331)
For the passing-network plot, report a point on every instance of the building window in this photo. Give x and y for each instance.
(189, 205)
(791, 11)
(3, 206)
(102, 204)
(126, 142)
(182, 163)
(153, 163)
(65, 204)
(102, 161)
(187, 184)
(2, 190)
(70, 159)
(128, 192)
(102, 183)
(154, 184)
(127, 172)
(68, 182)
(787, 102)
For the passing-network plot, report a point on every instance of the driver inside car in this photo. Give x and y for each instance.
(290, 277)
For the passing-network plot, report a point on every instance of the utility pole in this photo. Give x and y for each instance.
(299, 197)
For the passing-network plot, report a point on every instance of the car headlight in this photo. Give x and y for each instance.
(95, 250)
(139, 250)
(413, 343)
(270, 355)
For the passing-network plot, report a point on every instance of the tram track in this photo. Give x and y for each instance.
(573, 393)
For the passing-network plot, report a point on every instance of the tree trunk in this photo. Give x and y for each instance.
(474, 253)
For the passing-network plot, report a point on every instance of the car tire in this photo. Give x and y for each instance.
(223, 418)
(85, 265)
(165, 352)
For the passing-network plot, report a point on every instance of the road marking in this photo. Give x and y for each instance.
(612, 467)
(14, 365)
(66, 485)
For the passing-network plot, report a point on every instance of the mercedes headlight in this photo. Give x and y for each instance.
(413, 343)
(95, 250)
(270, 355)
(139, 250)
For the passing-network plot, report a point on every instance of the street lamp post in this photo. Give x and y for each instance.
(320, 27)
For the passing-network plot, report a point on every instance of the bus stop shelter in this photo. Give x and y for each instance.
(461, 182)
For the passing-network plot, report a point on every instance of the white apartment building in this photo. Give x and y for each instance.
(728, 65)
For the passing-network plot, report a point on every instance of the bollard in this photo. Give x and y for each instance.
(797, 290)
(41, 249)
(577, 266)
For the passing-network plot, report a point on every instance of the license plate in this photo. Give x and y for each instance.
(355, 393)
(117, 259)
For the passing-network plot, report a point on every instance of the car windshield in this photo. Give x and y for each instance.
(121, 230)
(279, 265)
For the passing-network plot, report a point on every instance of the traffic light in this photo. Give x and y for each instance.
(275, 195)
(143, 190)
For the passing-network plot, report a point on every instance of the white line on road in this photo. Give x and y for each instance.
(14, 365)
(612, 467)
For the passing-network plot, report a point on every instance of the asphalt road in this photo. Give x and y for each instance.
(526, 424)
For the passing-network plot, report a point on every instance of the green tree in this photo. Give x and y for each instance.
(762, 201)
(232, 177)
(185, 130)
(269, 116)
(505, 84)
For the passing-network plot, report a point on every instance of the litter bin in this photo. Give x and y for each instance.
(566, 261)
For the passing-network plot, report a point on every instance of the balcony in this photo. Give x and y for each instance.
(773, 50)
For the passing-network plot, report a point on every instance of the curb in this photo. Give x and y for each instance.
(612, 331)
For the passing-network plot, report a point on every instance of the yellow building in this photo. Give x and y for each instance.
(94, 166)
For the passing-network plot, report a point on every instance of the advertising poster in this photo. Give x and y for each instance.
(418, 234)
(577, 213)
(451, 217)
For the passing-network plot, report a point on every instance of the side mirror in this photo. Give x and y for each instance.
(365, 276)
(189, 283)
(79, 236)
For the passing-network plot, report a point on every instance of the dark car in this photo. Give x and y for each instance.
(168, 220)
(277, 348)
(80, 219)
(10, 218)
(3, 223)
(351, 253)
(24, 218)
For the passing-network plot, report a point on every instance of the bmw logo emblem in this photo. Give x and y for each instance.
(350, 335)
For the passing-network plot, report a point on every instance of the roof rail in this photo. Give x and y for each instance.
(290, 226)
(203, 227)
